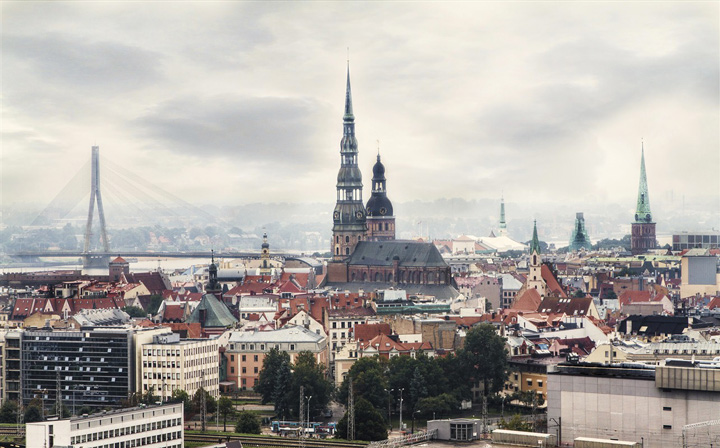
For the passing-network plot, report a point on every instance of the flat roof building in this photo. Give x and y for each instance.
(146, 426)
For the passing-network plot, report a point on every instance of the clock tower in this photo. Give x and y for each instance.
(349, 216)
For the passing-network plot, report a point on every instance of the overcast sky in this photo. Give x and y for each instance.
(235, 103)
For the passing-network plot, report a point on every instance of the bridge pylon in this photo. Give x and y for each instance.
(90, 260)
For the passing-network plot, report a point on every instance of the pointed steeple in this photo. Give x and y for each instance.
(642, 212)
(503, 225)
(535, 244)
(348, 99)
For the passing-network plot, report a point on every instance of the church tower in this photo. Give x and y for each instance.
(642, 237)
(380, 218)
(265, 266)
(534, 278)
(349, 218)
(503, 226)
(213, 285)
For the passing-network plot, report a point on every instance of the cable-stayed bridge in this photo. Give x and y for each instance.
(130, 200)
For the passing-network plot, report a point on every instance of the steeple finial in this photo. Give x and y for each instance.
(535, 244)
(212, 256)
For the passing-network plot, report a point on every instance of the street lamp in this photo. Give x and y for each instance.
(401, 403)
(389, 401)
(502, 407)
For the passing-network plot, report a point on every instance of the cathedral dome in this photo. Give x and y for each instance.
(379, 205)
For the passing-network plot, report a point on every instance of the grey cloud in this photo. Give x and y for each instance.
(269, 131)
(110, 67)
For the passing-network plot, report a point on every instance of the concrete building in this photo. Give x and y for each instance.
(246, 351)
(695, 240)
(633, 403)
(150, 427)
(170, 364)
(700, 273)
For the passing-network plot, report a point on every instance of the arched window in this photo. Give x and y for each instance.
(337, 238)
(386, 226)
(389, 277)
(378, 278)
(352, 277)
(431, 277)
(347, 239)
(534, 259)
(337, 251)
(442, 277)
(347, 251)
(364, 276)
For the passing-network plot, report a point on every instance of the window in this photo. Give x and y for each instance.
(243, 358)
(667, 426)
(529, 382)
(667, 408)
(255, 370)
(255, 358)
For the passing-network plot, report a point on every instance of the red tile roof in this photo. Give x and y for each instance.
(366, 332)
(553, 286)
(529, 300)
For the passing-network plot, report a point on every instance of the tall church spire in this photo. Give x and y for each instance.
(503, 225)
(642, 235)
(380, 218)
(349, 217)
(348, 99)
(642, 212)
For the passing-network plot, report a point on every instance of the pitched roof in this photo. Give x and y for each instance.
(714, 303)
(365, 332)
(153, 281)
(408, 253)
(527, 301)
(630, 296)
(216, 313)
(553, 286)
(119, 260)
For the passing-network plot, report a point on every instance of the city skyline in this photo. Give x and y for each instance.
(237, 103)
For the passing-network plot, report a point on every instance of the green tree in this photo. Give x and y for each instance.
(417, 389)
(210, 403)
(485, 358)
(516, 423)
(181, 396)
(370, 381)
(8, 412)
(225, 408)
(247, 423)
(32, 414)
(275, 379)
(155, 302)
(437, 406)
(149, 397)
(579, 294)
(309, 374)
(369, 423)
(134, 311)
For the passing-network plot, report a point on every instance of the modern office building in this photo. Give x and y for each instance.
(146, 426)
(92, 367)
(170, 363)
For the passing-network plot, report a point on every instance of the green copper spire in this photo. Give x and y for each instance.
(535, 245)
(642, 213)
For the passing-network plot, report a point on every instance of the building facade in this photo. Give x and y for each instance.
(92, 367)
(649, 405)
(246, 351)
(170, 364)
(150, 427)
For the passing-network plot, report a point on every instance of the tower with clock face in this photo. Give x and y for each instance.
(349, 216)
(380, 218)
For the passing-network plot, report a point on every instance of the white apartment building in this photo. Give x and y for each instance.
(148, 426)
(170, 363)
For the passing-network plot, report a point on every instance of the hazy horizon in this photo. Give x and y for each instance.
(237, 103)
